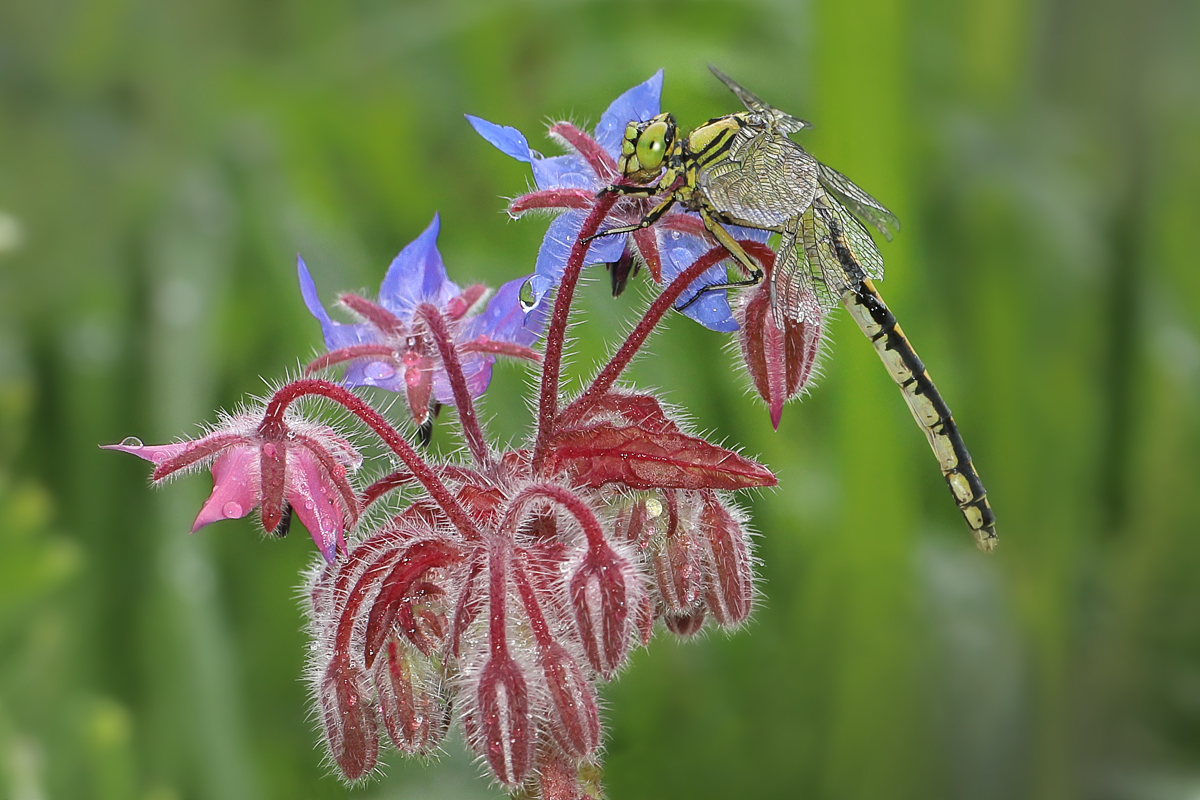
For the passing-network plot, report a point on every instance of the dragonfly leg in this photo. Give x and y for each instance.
(753, 269)
(652, 216)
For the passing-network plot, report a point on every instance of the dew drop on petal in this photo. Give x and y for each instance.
(231, 510)
(379, 371)
(132, 442)
(526, 296)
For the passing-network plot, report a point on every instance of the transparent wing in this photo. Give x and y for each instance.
(765, 181)
(861, 258)
(825, 272)
(862, 204)
(841, 254)
(784, 122)
(792, 294)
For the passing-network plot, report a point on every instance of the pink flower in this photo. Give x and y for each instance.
(279, 466)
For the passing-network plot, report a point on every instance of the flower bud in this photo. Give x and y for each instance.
(575, 720)
(415, 712)
(351, 728)
(602, 590)
(501, 724)
(730, 590)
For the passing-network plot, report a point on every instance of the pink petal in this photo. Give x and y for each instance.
(154, 453)
(235, 487)
(315, 501)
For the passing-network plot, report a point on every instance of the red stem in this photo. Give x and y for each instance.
(498, 551)
(563, 497)
(624, 355)
(472, 432)
(556, 332)
(273, 424)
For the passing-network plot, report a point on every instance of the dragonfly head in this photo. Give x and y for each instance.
(645, 147)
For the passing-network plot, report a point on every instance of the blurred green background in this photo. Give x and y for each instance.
(162, 162)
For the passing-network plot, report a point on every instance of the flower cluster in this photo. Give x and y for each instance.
(513, 581)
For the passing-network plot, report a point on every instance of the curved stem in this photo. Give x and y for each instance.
(472, 432)
(273, 424)
(654, 314)
(557, 329)
(561, 496)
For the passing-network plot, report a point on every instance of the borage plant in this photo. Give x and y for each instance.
(513, 581)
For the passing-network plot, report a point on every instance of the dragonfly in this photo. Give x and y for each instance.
(743, 169)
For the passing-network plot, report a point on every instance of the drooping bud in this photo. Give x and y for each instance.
(780, 356)
(678, 559)
(730, 590)
(576, 719)
(350, 723)
(415, 711)
(501, 720)
(602, 590)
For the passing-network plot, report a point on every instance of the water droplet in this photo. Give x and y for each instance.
(269, 450)
(231, 510)
(410, 359)
(654, 507)
(526, 296)
(132, 442)
(379, 371)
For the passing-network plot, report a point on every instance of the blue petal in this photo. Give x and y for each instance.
(509, 141)
(641, 103)
(679, 251)
(565, 172)
(556, 248)
(336, 334)
(505, 319)
(382, 374)
(754, 234)
(417, 275)
(477, 369)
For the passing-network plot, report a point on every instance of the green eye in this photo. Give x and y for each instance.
(652, 145)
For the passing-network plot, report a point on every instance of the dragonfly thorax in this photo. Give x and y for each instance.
(646, 146)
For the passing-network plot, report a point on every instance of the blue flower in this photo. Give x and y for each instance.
(392, 348)
(569, 183)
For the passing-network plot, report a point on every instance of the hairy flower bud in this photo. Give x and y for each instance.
(349, 717)
(603, 589)
(730, 590)
(501, 721)
(415, 711)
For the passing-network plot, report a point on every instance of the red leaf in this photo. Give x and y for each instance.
(642, 410)
(642, 459)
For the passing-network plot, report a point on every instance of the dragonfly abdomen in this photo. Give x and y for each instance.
(876, 320)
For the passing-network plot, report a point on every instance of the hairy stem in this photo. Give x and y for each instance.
(621, 359)
(472, 431)
(557, 330)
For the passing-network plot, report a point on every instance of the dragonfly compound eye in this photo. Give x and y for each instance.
(652, 145)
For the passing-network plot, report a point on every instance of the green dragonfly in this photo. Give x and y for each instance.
(742, 169)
